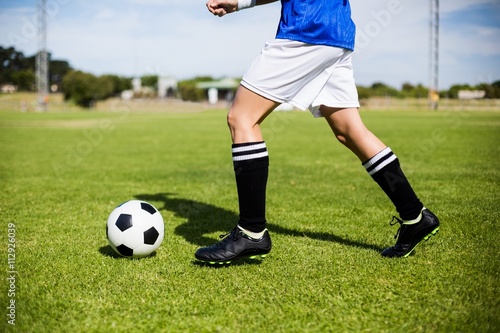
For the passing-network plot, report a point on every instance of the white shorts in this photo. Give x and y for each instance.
(304, 75)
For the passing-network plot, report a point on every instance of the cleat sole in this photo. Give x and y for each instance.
(261, 256)
(426, 238)
(220, 263)
(433, 232)
(216, 262)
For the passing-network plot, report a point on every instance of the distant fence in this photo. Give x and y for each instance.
(391, 103)
(27, 102)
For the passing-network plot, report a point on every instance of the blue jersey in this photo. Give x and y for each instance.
(323, 22)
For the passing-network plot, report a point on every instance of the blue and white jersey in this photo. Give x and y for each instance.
(320, 22)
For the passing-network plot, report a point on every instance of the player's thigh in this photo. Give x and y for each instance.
(249, 108)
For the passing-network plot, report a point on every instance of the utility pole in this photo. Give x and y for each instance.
(433, 97)
(42, 62)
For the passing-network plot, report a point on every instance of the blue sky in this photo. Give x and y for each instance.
(180, 38)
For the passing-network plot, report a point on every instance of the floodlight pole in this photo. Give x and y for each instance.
(433, 96)
(42, 63)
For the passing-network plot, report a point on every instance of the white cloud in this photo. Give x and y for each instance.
(105, 14)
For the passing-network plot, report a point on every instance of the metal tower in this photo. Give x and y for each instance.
(42, 63)
(434, 55)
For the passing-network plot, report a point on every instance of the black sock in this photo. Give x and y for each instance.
(385, 170)
(251, 165)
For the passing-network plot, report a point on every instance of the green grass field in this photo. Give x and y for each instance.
(63, 173)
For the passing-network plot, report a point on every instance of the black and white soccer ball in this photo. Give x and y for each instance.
(135, 229)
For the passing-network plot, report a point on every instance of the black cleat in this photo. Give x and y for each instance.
(409, 235)
(235, 245)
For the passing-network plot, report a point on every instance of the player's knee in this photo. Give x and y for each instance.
(235, 122)
(231, 120)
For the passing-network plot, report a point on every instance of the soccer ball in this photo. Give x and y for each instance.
(135, 229)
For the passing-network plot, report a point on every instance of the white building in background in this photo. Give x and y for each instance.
(219, 90)
(213, 95)
(224, 90)
(136, 85)
(471, 94)
(8, 88)
(127, 95)
(167, 87)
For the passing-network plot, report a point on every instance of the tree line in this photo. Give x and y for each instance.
(19, 70)
(85, 89)
(82, 88)
(379, 89)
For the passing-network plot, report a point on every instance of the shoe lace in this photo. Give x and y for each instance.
(394, 221)
(232, 233)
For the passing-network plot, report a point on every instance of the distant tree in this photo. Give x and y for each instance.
(11, 61)
(363, 92)
(30, 62)
(18, 69)
(102, 88)
(189, 91)
(490, 90)
(203, 78)
(496, 86)
(381, 89)
(406, 87)
(24, 79)
(57, 70)
(418, 91)
(79, 87)
(119, 83)
(453, 91)
(85, 89)
(149, 81)
(421, 91)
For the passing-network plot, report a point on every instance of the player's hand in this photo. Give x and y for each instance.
(222, 7)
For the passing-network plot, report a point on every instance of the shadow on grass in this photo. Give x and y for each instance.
(205, 219)
(108, 251)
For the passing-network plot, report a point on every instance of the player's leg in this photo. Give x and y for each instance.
(381, 163)
(250, 156)
(350, 130)
(246, 114)
(251, 163)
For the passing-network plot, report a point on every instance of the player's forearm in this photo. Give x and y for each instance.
(223, 7)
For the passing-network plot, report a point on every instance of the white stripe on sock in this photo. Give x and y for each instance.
(382, 165)
(250, 156)
(377, 157)
(249, 147)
